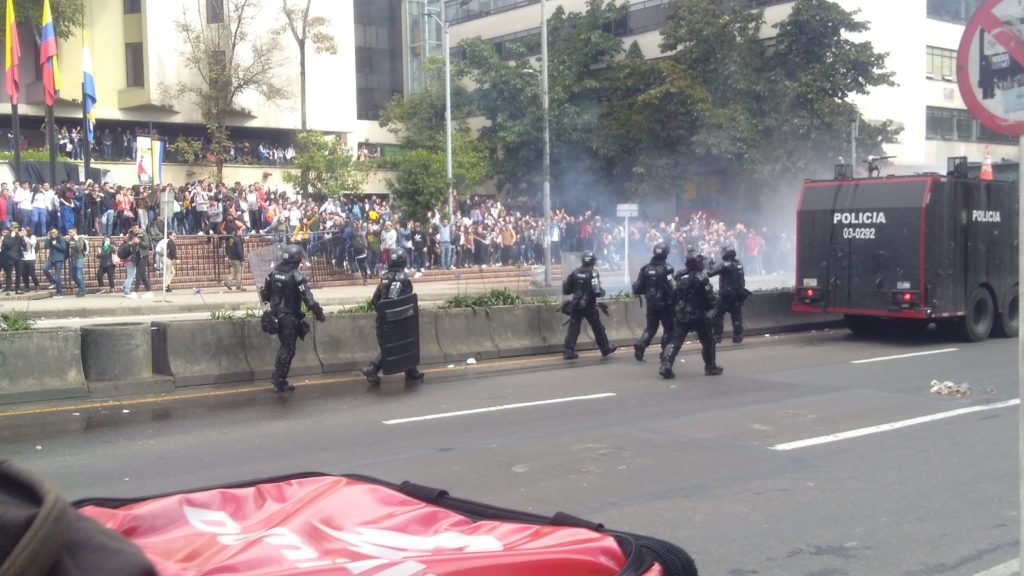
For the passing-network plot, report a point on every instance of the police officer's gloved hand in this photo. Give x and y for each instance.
(318, 311)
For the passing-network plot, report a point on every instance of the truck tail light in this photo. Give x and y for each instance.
(808, 295)
(906, 298)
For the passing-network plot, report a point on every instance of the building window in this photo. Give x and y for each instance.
(456, 11)
(214, 11)
(526, 42)
(133, 6)
(753, 4)
(941, 64)
(960, 125)
(956, 11)
(134, 64)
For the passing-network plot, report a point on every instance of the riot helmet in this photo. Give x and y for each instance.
(588, 259)
(661, 251)
(397, 260)
(694, 261)
(728, 253)
(291, 256)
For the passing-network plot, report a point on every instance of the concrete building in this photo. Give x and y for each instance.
(139, 56)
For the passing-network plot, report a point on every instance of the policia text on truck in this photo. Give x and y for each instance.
(907, 251)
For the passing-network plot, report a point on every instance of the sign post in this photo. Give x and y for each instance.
(627, 211)
(989, 65)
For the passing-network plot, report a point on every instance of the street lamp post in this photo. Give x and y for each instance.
(442, 21)
(547, 143)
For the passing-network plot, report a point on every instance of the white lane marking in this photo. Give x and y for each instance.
(880, 358)
(890, 426)
(1011, 568)
(496, 408)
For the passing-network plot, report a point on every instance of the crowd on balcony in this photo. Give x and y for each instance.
(120, 144)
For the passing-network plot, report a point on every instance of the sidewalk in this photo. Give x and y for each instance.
(52, 311)
(71, 311)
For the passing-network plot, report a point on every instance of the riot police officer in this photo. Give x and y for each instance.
(283, 293)
(584, 285)
(394, 284)
(732, 291)
(654, 284)
(694, 302)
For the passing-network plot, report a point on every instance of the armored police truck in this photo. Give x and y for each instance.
(903, 252)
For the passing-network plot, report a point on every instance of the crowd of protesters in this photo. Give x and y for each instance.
(357, 232)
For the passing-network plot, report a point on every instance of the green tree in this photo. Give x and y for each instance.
(418, 123)
(306, 29)
(422, 181)
(817, 68)
(722, 102)
(68, 17)
(325, 167)
(226, 61)
(578, 44)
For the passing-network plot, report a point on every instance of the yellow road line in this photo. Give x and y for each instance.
(240, 390)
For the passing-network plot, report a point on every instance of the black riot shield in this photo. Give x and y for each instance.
(398, 333)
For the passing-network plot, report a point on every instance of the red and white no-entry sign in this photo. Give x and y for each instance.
(990, 66)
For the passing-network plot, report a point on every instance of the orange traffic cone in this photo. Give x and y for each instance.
(986, 166)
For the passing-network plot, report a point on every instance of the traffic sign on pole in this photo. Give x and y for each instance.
(990, 74)
(990, 66)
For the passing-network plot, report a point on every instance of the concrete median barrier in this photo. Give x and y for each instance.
(430, 349)
(43, 364)
(465, 333)
(346, 341)
(117, 359)
(515, 330)
(197, 352)
(616, 323)
(769, 312)
(261, 351)
(553, 327)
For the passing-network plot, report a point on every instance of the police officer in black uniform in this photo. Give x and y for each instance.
(584, 285)
(694, 303)
(654, 284)
(394, 283)
(283, 293)
(732, 291)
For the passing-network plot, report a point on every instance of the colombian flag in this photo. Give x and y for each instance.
(11, 81)
(48, 57)
(88, 88)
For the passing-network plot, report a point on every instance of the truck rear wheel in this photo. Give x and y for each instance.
(1008, 323)
(976, 324)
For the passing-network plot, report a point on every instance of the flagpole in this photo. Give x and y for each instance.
(15, 121)
(51, 144)
(86, 146)
(87, 156)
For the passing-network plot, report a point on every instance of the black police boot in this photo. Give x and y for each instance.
(666, 371)
(414, 373)
(638, 352)
(282, 386)
(608, 351)
(570, 354)
(713, 370)
(370, 371)
(737, 339)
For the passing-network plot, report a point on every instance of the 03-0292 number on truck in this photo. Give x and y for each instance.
(859, 233)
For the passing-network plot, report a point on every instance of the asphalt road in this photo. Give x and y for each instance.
(690, 460)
